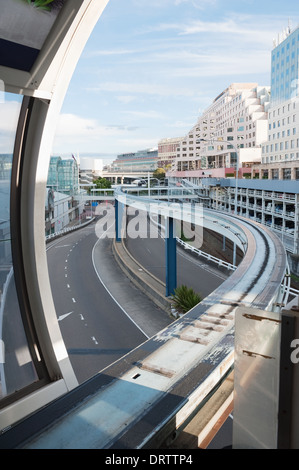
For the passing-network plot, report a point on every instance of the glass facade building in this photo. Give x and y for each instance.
(63, 176)
(285, 68)
(282, 144)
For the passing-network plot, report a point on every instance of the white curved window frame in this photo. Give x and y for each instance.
(44, 89)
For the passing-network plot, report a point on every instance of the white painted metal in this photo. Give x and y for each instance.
(256, 374)
(48, 83)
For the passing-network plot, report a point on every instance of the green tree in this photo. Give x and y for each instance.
(159, 173)
(102, 183)
(185, 298)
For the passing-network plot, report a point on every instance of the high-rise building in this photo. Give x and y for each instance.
(63, 176)
(282, 144)
(285, 67)
(234, 126)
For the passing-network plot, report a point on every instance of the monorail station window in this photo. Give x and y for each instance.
(16, 366)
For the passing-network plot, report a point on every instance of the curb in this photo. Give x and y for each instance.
(141, 278)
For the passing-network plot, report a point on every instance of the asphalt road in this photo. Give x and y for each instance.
(95, 329)
(150, 253)
(96, 326)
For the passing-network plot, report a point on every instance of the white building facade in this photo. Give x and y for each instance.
(167, 151)
(235, 125)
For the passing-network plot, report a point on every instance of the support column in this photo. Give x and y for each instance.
(118, 220)
(171, 261)
(235, 255)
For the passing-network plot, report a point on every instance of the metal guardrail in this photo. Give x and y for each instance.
(207, 256)
(203, 254)
(66, 230)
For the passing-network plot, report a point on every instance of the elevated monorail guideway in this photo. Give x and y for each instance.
(171, 374)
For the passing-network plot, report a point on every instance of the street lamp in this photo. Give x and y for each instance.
(237, 164)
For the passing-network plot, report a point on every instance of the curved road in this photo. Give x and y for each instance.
(95, 329)
(95, 325)
(191, 271)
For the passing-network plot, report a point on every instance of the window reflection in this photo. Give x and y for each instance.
(16, 367)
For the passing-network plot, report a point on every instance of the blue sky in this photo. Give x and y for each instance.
(151, 67)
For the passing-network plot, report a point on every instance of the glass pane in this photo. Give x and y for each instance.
(16, 367)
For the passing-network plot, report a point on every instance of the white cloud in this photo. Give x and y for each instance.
(144, 88)
(138, 144)
(236, 45)
(110, 52)
(252, 29)
(126, 99)
(183, 125)
(216, 64)
(75, 132)
(74, 126)
(9, 114)
(147, 114)
(199, 4)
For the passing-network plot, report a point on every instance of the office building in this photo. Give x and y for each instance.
(142, 160)
(236, 122)
(281, 148)
(63, 175)
(167, 151)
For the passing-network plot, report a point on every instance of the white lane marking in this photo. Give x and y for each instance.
(102, 282)
(61, 317)
(93, 339)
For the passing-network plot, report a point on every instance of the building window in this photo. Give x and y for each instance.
(286, 173)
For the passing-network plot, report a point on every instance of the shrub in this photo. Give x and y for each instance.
(185, 298)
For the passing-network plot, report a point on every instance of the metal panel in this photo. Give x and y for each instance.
(288, 436)
(257, 361)
(286, 379)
